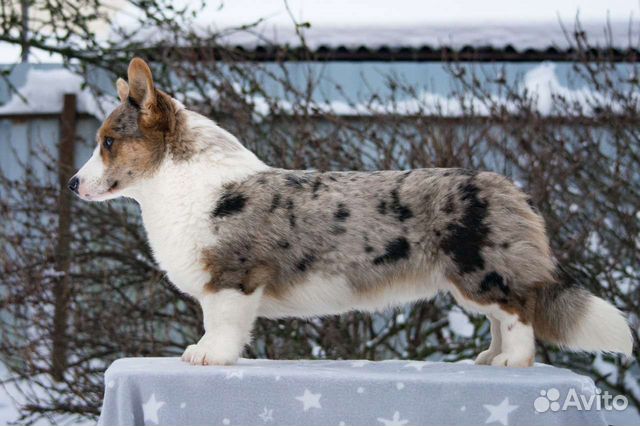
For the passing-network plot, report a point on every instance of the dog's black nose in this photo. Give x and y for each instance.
(74, 183)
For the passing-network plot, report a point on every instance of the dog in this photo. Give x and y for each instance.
(248, 240)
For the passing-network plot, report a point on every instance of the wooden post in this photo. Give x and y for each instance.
(24, 31)
(61, 290)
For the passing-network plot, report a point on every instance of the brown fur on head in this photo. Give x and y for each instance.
(132, 141)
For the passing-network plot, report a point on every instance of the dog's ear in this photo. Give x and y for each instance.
(123, 89)
(141, 90)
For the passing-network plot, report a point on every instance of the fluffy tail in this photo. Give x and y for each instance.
(573, 318)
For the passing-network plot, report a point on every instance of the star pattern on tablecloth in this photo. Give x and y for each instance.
(309, 400)
(500, 413)
(418, 365)
(150, 409)
(235, 373)
(266, 415)
(317, 401)
(394, 421)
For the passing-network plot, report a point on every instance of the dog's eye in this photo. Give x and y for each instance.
(108, 142)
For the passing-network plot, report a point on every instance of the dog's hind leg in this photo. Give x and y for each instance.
(518, 342)
(495, 347)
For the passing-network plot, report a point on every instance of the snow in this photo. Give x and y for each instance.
(8, 410)
(11, 397)
(542, 82)
(407, 22)
(459, 323)
(43, 92)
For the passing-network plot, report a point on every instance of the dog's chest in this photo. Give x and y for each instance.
(178, 234)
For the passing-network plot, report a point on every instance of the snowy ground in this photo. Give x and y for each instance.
(8, 410)
(10, 398)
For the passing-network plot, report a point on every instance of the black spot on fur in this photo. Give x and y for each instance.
(292, 216)
(401, 211)
(368, 249)
(295, 181)
(275, 202)
(230, 203)
(337, 230)
(505, 245)
(394, 251)
(305, 262)
(382, 207)
(333, 178)
(494, 280)
(466, 238)
(316, 187)
(342, 213)
(284, 244)
(262, 181)
(449, 206)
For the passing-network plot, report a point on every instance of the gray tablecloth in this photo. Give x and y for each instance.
(166, 391)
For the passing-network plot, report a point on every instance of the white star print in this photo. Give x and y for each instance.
(418, 365)
(309, 400)
(500, 412)
(237, 373)
(150, 409)
(395, 421)
(267, 415)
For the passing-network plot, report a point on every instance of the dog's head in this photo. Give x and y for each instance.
(132, 141)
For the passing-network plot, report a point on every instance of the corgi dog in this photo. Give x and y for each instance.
(247, 240)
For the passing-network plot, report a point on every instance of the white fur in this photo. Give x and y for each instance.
(603, 328)
(321, 294)
(228, 319)
(495, 347)
(93, 186)
(518, 342)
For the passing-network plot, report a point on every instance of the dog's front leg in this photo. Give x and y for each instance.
(228, 316)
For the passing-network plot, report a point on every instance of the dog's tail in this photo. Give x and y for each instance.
(571, 317)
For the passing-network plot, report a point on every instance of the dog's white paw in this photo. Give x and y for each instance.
(207, 354)
(486, 357)
(513, 359)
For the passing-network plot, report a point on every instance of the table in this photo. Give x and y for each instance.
(167, 391)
